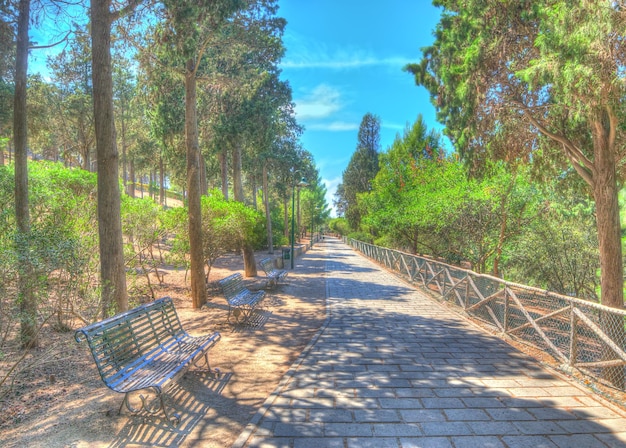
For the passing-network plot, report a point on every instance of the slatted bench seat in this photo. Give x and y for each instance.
(274, 275)
(241, 301)
(145, 349)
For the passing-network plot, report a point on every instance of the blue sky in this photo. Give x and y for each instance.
(344, 59)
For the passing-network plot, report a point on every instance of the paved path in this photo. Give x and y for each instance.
(393, 368)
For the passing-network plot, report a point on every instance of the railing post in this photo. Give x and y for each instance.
(505, 324)
(573, 341)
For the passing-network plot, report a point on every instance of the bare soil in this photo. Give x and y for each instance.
(60, 400)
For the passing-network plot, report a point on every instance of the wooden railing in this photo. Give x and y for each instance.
(579, 334)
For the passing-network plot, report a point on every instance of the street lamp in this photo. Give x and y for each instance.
(302, 183)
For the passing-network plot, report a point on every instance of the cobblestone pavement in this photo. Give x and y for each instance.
(393, 368)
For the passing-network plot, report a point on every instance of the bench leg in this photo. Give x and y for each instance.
(151, 405)
(215, 372)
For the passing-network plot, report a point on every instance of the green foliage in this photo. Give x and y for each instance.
(63, 244)
(361, 170)
(339, 226)
(558, 251)
(226, 227)
(144, 231)
(361, 236)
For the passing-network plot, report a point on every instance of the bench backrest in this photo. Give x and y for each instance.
(267, 264)
(232, 285)
(119, 342)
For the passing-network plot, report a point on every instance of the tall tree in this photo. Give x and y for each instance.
(191, 26)
(112, 270)
(362, 168)
(71, 71)
(27, 299)
(557, 64)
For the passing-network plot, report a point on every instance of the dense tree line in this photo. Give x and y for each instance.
(184, 96)
(504, 222)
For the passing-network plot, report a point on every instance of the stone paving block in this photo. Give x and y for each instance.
(397, 430)
(411, 392)
(348, 429)
(426, 442)
(584, 426)
(401, 403)
(614, 439)
(487, 428)
(530, 442)
(482, 402)
(547, 427)
(478, 442)
(552, 414)
(285, 415)
(375, 392)
(376, 415)
(319, 442)
(314, 429)
(377, 442)
(331, 415)
(318, 402)
(443, 403)
(510, 414)
(576, 441)
(451, 392)
(597, 412)
(466, 415)
(422, 415)
(356, 403)
(446, 429)
(533, 392)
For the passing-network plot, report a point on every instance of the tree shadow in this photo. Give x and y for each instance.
(190, 398)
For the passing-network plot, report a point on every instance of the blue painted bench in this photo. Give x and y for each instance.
(241, 301)
(145, 349)
(274, 275)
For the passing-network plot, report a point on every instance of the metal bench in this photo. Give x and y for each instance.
(241, 301)
(145, 348)
(274, 275)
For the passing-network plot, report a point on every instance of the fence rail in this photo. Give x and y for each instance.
(579, 334)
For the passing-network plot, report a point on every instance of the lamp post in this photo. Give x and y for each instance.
(302, 183)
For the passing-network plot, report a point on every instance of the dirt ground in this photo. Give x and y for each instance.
(61, 401)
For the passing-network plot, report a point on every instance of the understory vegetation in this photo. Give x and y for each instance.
(505, 221)
(64, 252)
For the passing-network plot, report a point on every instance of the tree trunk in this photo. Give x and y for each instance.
(26, 295)
(224, 172)
(198, 287)
(255, 192)
(249, 264)
(605, 192)
(161, 180)
(131, 188)
(266, 205)
(286, 216)
(204, 185)
(112, 272)
(237, 179)
(124, 161)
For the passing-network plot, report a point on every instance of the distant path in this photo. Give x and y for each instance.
(393, 368)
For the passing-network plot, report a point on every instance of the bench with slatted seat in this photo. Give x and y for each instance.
(145, 349)
(241, 301)
(274, 275)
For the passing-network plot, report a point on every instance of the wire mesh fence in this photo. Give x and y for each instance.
(579, 334)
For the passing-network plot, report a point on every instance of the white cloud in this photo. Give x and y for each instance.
(335, 126)
(322, 102)
(305, 54)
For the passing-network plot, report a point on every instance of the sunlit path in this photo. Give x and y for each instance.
(392, 368)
